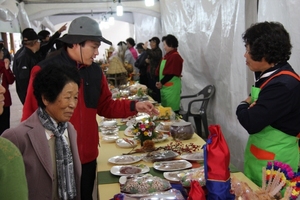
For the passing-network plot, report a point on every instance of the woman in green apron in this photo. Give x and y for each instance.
(169, 73)
(271, 114)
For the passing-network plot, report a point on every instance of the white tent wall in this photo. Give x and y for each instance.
(146, 27)
(287, 13)
(209, 34)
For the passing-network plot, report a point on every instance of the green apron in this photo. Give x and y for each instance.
(170, 91)
(269, 144)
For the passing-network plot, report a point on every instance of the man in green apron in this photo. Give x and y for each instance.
(170, 74)
(271, 114)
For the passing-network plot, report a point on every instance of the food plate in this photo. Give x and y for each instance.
(141, 116)
(196, 156)
(177, 175)
(108, 123)
(124, 120)
(124, 160)
(127, 170)
(126, 142)
(173, 165)
(164, 137)
(158, 128)
(160, 155)
(109, 138)
(139, 98)
(128, 131)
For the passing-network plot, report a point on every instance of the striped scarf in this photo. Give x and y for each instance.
(64, 159)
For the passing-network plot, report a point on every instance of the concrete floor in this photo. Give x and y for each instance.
(16, 114)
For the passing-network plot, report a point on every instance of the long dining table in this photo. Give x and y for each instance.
(108, 184)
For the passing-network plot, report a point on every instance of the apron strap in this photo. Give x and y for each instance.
(284, 72)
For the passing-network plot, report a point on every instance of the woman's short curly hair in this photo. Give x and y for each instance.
(170, 40)
(268, 40)
(50, 81)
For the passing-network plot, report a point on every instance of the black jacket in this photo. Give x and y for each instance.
(141, 64)
(22, 65)
(278, 104)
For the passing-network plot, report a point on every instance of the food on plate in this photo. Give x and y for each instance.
(109, 130)
(135, 88)
(108, 123)
(185, 176)
(126, 142)
(124, 159)
(196, 156)
(131, 142)
(145, 184)
(110, 138)
(164, 112)
(179, 147)
(130, 170)
(160, 155)
(196, 175)
(175, 165)
(165, 126)
(172, 165)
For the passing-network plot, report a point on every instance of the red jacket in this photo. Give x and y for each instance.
(8, 78)
(94, 98)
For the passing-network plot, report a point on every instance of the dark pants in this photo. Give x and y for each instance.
(143, 79)
(4, 119)
(88, 179)
(154, 91)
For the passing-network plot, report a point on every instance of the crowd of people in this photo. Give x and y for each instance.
(63, 89)
(65, 155)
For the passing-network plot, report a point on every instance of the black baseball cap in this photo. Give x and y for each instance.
(29, 35)
(156, 39)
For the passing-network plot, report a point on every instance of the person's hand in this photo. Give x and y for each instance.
(63, 28)
(146, 107)
(158, 85)
(145, 45)
(147, 60)
(6, 63)
(248, 100)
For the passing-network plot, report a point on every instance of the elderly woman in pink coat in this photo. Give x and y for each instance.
(47, 140)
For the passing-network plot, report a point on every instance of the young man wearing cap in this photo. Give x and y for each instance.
(81, 47)
(154, 58)
(24, 62)
(47, 42)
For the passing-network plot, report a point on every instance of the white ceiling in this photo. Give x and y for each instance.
(73, 1)
(38, 9)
